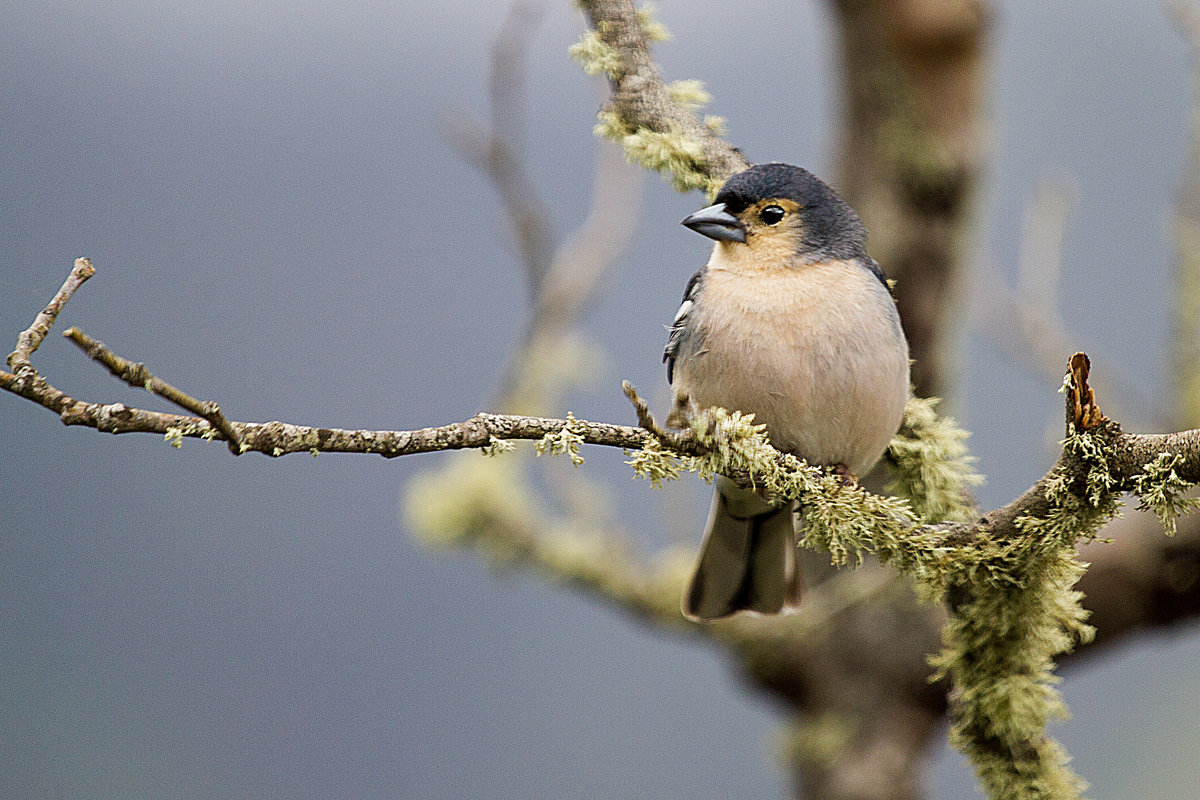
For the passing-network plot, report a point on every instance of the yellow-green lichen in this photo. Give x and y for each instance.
(610, 126)
(174, 437)
(496, 447)
(679, 158)
(595, 55)
(1013, 611)
(714, 124)
(653, 463)
(566, 441)
(689, 94)
(1012, 602)
(652, 29)
(1160, 489)
(676, 156)
(818, 742)
(932, 467)
(456, 504)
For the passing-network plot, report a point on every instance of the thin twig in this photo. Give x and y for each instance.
(1025, 320)
(681, 441)
(137, 376)
(498, 151)
(30, 339)
(1126, 454)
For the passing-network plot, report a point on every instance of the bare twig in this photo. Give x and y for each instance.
(280, 438)
(30, 339)
(681, 441)
(137, 376)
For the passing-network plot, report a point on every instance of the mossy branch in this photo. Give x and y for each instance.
(651, 119)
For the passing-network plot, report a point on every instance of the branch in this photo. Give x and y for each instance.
(1024, 320)
(498, 152)
(651, 119)
(32, 337)
(281, 438)
(137, 376)
(912, 83)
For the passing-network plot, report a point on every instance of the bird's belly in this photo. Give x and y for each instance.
(829, 380)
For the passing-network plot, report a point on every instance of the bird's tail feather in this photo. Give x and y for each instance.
(748, 559)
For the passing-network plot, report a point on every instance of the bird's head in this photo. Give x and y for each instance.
(777, 214)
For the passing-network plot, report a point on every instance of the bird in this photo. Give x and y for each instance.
(792, 321)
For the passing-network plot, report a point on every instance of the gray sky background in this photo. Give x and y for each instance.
(279, 225)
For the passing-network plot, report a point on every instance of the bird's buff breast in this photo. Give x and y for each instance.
(814, 352)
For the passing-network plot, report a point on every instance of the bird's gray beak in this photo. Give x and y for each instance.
(717, 223)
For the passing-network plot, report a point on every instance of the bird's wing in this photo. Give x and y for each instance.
(679, 325)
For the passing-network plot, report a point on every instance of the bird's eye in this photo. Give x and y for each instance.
(771, 215)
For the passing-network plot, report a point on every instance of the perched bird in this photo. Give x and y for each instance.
(793, 322)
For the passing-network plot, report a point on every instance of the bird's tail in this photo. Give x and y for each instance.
(748, 559)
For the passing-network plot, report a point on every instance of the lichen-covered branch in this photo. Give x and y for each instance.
(913, 93)
(652, 120)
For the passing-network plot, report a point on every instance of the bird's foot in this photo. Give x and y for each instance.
(843, 472)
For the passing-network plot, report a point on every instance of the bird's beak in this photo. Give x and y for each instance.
(717, 223)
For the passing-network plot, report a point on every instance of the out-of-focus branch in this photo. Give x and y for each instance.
(1139, 579)
(571, 284)
(481, 505)
(499, 152)
(591, 250)
(1025, 321)
(563, 279)
(912, 91)
(1184, 366)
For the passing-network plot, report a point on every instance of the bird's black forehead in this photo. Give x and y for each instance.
(772, 180)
